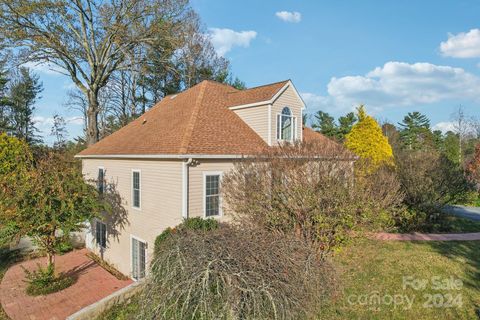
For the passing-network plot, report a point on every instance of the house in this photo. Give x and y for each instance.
(168, 164)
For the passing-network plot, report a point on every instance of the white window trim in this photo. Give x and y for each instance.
(220, 198)
(278, 133)
(104, 179)
(131, 256)
(106, 234)
(140, 189)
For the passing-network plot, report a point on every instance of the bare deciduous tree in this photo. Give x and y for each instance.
(88, 40)
(464, 127)
(310, 190)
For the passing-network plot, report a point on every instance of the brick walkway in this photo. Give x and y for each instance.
(93, 284)
(426, 236)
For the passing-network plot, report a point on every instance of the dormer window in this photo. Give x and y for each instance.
(286, 125)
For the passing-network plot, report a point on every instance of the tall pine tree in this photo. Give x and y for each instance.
(345, 124)
(325, 124)
(24, 93)
(4, 101)
(415, 131)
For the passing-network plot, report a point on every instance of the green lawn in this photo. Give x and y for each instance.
(368, 267)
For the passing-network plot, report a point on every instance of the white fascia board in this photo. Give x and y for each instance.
(274, 98)
(181, 156)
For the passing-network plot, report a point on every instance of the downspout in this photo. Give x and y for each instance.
(185, 191)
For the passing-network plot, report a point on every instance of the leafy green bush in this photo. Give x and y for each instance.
(44, 281)
(196, 223)
(64, 246)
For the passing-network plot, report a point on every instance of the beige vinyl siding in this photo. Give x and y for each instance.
(196, 183)
(161, 204)
(287, 99)
(256, 118)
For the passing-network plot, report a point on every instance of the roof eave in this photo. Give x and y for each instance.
(159, 156)
(272, 100)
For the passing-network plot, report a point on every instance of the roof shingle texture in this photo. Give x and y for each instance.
(196, 121)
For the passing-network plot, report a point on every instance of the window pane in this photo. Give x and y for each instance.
(286, 127)
(136, 198)
(104, 235)
(101, 234)
(97, 232)
(141, 254)
(212, 194)
(212, 185)
(138, 259)
(136, 189)
(136, 180)
(212, 206)
(135, 259)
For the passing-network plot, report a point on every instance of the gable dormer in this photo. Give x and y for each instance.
(277, 119)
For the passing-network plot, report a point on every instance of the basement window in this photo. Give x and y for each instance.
(101, 234)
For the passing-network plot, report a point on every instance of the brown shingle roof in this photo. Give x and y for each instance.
(197, 121)
(257, 94)
(329, 147)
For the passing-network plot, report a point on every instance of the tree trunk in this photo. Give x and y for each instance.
(49, 245)
(92, 118)
(50, 258)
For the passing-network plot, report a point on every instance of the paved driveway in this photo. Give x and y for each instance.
(93, 284)
(472, 213)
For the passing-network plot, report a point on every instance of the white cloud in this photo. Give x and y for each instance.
(399, 84)
(289, 16)
(462, 45)
(44, 124)
(444, 126)
(45, 68)
(316, 102)
(224, 40)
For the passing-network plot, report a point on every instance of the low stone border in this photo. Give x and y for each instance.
(94, 310)
(425, 236)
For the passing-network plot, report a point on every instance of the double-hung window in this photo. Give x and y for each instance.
(101, 180)
(101, 233)
(286, 125)
(136, 185)
(212, 194)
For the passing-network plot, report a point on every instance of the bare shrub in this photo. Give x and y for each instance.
(233, 273)
(429, 181)
(310, 190)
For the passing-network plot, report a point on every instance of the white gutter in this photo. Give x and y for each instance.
(180, 156)
(160, 156)
(185, 187)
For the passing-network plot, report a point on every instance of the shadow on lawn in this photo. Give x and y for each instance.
(466, 252)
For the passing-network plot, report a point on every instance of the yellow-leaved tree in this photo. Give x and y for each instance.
(367, 141)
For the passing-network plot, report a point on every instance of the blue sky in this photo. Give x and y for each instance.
(393, 56)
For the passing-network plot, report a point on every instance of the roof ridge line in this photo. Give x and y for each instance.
(192, 120)
(263, 85)
(223, 84)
